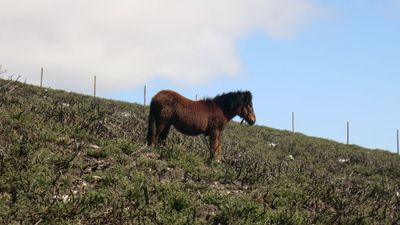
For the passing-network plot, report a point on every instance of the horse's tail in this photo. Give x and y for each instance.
(152, 125)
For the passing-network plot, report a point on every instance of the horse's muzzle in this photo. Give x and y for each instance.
(249, 121)
(252, 119)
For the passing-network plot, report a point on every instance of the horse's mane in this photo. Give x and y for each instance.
(229, 101)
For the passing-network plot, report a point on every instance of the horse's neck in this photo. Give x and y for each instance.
(228, 114)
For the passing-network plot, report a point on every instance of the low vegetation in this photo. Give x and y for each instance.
(73, 159)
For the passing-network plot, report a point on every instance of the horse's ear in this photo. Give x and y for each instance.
(248, 98)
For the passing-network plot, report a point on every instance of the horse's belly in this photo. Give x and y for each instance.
(191, 125)
(188, 131)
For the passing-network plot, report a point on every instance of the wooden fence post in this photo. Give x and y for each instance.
(145, 94)
(94, 86)
(293, 122)
(41, 77)
(398, 142)
(1, 69)
(348, 132)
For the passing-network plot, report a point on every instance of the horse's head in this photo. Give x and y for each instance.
(246, 111)
(237, 103)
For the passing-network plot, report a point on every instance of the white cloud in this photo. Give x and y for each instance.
(126, 42)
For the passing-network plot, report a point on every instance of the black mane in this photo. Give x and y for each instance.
(231, 100)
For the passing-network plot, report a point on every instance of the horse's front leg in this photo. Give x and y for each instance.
(215, 146)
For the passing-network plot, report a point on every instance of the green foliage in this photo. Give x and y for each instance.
(72, 159)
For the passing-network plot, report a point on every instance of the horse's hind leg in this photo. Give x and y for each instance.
(151, 131)
(163, 134)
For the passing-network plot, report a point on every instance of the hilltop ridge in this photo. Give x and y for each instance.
(67, 158)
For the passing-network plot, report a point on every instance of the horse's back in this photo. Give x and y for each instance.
(171, 98)
(166, 102)
(167, 95)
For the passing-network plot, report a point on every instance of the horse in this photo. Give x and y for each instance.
(208, 116)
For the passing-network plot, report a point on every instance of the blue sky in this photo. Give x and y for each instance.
(327, 61)
(344, 67)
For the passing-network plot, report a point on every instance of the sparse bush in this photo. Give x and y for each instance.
(72, 159)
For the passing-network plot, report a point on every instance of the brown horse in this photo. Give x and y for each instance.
(208, 116)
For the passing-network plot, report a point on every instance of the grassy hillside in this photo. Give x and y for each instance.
(72, 159)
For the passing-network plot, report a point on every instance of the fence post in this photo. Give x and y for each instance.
(398, 141)
(1, 69)
(41, 77)
(293, 122)
(94, 86)
(348, 132)
(145, 94)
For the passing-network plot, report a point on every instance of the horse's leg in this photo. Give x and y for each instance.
(163, 135)
(151, 130)
(219, 150)
(160, 130)
(215, 146)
